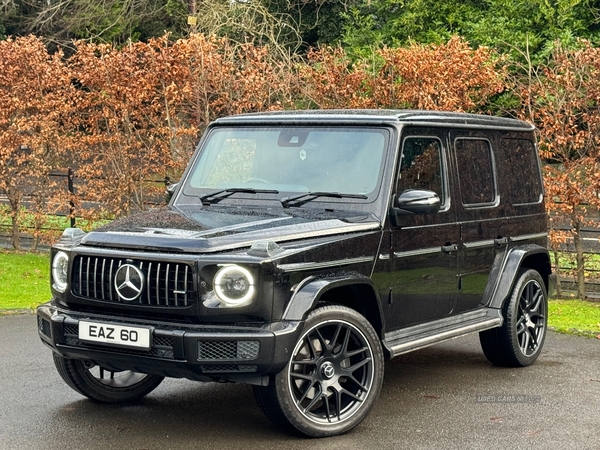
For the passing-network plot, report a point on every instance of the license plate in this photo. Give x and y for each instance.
(109, 333)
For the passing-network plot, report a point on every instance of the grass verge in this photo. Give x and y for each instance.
(24, 280)
(24, 284)
(575, 317)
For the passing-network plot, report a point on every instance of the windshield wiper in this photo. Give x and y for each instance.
(308, 196)
(207, 199)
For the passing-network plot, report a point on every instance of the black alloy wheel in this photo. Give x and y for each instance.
(519, 341)
(333, 377)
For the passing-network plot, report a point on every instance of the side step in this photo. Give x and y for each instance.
(423, 335)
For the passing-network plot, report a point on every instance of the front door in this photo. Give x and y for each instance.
(424, 247)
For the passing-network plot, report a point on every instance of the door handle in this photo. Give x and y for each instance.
(449, 248)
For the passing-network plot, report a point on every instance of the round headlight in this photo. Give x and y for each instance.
(60, 264)
(234, 285)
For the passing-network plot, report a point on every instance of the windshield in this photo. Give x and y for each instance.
(282, 161)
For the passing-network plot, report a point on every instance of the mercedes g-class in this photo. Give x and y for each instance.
(300, 250)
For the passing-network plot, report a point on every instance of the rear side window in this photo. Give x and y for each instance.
(523, 178)
(475, 171)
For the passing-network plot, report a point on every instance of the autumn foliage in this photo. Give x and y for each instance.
(35, 104)
(451, 77)
(563, 100)
(126, 119)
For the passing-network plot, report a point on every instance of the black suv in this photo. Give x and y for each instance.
(301, 249)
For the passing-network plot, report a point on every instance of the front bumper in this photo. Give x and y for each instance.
(198, 352)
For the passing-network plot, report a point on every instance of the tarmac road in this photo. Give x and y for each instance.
(442, 397)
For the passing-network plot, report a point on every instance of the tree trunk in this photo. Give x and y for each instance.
(16, 238)
(14, 201)
(39, 217)
(559, 293)
(580, 261)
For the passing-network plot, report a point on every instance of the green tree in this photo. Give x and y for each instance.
(111, 21)
(510, 26)
(317, 21)
(292, 23)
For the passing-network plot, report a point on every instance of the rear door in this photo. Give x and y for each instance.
(479, 210)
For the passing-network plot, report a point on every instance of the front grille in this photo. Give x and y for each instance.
(228, 350)
(165, 284)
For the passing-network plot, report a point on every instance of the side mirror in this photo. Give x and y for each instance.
(411, 202)
(170, 190)
(419, 201)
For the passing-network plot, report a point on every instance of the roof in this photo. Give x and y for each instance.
(380, 116)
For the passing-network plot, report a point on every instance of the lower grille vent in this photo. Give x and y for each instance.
(228, 350)
(228, 368)
(44, 327)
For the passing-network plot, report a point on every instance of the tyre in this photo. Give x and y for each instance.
(333, 377)
(519, 341)
(104, 385)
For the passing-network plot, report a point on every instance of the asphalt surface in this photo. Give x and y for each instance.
(442, 397)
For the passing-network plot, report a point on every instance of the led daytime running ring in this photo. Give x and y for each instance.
(60, 263)
(218, 282)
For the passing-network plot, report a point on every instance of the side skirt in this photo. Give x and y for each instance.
(423, 335)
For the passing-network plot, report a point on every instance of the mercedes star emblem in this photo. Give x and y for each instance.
(129, 281)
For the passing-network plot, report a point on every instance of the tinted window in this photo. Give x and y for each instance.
(475, 171)
(523, 179)
(421, 165)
